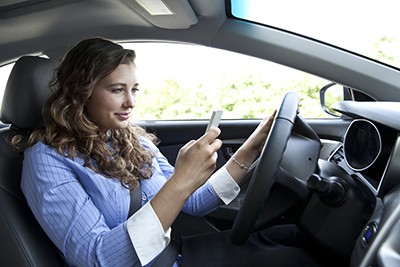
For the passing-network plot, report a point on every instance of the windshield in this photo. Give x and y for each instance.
(367, 27)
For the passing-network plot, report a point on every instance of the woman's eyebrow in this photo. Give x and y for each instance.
(121, 84)
(116, 84)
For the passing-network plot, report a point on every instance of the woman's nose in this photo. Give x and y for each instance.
(130, 101)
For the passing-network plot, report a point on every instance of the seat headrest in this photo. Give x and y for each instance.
(26, 92)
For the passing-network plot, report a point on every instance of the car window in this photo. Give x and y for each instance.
(4, 73)
(367, 27)
(187, 82)
(183, 81)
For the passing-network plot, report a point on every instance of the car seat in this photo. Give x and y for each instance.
(22, 240)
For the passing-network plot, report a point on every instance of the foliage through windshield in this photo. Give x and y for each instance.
(366, 27)
(201, 79)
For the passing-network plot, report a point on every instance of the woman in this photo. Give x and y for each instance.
(82, 162)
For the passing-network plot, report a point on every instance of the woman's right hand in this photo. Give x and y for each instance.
(196, 161)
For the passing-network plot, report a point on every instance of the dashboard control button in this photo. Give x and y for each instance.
(369, 232)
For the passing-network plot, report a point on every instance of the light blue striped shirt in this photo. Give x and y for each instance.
(85, 214)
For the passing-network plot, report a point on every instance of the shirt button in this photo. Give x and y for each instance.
(144, 198)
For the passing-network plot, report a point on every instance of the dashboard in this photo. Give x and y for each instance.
(370, 153)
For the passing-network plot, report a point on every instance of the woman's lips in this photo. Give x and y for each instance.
(122, 116)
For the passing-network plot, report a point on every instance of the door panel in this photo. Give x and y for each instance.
(174, 134)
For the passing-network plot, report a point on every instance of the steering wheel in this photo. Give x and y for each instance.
(267, 169)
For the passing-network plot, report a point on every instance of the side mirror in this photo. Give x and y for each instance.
(330, 94)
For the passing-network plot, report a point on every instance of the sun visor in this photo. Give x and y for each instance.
(167, 14)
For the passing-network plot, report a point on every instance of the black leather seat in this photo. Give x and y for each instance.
(22, 241)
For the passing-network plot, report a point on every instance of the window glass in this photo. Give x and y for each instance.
(182, 81)
(4, 73)
(367, 27)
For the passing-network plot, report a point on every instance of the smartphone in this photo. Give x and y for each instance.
(215, 119)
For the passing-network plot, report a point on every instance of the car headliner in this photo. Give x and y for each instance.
(51, 26)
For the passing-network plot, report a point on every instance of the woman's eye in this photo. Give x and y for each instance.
(117, 90)
(134, 90)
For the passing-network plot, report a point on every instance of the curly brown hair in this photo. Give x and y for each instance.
(67, 127)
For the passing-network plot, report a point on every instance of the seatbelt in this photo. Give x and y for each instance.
(136, 200)
(170, 253)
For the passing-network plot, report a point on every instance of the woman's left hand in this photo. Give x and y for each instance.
(256, 141)
(240, 162)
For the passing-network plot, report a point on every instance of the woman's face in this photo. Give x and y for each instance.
(113, 98)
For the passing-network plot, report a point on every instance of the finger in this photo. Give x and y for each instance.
(268, 120)
(216, 145)
(271, 117)
(187, 145)
(210, 136)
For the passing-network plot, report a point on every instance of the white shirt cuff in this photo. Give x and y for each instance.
(224, 185)
(147, 234)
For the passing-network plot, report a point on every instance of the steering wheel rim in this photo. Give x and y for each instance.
(267, 169)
